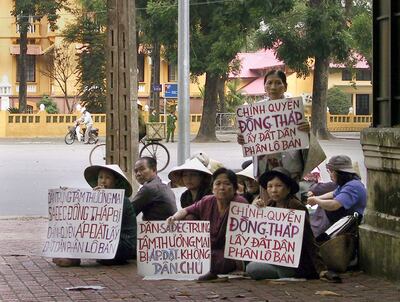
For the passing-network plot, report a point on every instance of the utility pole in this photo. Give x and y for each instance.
(183, 82)
(122, 115)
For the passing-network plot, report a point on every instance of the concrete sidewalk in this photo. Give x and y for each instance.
(25, 276)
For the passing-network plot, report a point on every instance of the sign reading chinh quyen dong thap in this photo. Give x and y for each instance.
(180, 251)
(83, 223)
(271, 126)
(270, 235)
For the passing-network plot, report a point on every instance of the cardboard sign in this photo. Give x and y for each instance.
(271, 126)
(181, 251)
(83, 223)
(270, 235)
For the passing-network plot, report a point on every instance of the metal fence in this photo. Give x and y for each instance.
(226, 122)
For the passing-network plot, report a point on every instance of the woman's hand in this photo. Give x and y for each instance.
(312, 201)
(310, 194)
(259, 203)
(170, 220)
(240, 139)
(305, 127)
(98, 188)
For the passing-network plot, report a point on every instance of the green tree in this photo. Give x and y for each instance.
(338, 102)
(233, 97)
(315, 29)
(361, 29)
(89, 30)
(155, 25)
(26, 12)
(50, 105)
(218, 32)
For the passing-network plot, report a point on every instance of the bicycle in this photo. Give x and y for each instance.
(71, 136)
(151, 148)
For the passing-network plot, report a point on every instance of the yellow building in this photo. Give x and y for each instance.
(255, 65)
(41, 42)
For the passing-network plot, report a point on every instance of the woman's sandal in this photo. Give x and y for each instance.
(330, 276)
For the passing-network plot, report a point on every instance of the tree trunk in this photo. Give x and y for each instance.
(319, 103)
(23, 44)
(66, 97)
(221, 94)
(207, 126)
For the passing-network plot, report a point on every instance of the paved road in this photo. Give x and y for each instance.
(29, 167)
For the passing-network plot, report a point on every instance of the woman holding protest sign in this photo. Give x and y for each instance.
(281, 189)
(112, 177)
(195, 177)
(297, 162)
(215, 208)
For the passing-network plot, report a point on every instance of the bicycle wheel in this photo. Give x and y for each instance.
(69, 138)
(159, 152)
(98, 155)
(92, 139)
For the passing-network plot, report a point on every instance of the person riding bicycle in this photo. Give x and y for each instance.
(87, 120)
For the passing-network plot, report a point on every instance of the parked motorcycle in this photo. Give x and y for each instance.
(71, 136)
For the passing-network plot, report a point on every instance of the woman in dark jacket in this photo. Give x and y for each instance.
(281, 189)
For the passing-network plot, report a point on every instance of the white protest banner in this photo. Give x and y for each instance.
(83, 223)
(271, 126)
(180, 251)
(270, 235)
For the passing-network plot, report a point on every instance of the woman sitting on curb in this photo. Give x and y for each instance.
(215, 208)
(349, 197)
(112, 177)
(251, 188)
(281, 189)
(195, 177)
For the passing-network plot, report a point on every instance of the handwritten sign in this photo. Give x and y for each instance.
(83, 223)
(181, 251)
(270, 235)
(271, 126)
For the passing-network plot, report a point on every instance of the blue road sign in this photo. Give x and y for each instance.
(171, 91)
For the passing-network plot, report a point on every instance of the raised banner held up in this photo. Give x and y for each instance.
(83, 223)
(270, 235)
(181, 251)
(271, 126)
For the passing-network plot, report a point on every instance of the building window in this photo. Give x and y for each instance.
(362, 104)
(30, 68)
(29, 109)
(363, 75)
(172, 73)
(140, 65)
(346, 75)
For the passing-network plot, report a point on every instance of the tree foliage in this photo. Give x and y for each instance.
(338, 102)
(361, 29)
(50, 105)
(233, 97)
(88, 30)
(218, 31)
(155, 26)
(316, 30)
(27, 11)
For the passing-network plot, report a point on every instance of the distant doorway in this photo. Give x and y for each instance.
(362, 104)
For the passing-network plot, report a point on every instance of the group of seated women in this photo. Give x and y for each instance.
(281, 189)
